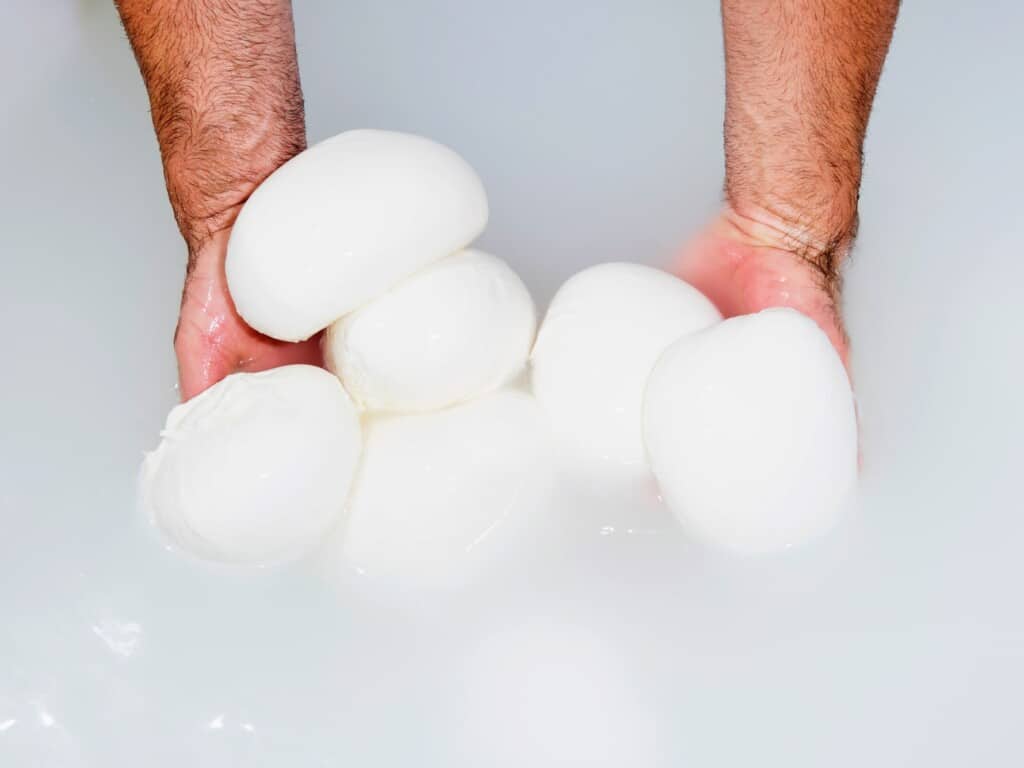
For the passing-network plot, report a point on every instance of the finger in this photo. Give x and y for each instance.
(264, 353)
(201, 364)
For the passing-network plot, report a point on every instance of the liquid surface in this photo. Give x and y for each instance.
(896, 640)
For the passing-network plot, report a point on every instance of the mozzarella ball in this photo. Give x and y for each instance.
(458, 329)
(751, 431)
(440, 493)
(256, 468)
(597, 345)
(342, 223)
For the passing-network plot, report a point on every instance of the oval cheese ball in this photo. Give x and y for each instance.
(752, 432)
(601, 337)
(343, 222)
(256, 468)
(457, 329)
(439, 495)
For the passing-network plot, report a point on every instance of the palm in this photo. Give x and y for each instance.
(213, 341)
(742, 277)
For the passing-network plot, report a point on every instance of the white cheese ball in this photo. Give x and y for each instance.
(440, 494)
(597, 345)
(256, 468)
(458, 329)
(751, 431)
(343, 222)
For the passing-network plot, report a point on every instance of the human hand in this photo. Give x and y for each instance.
(800, 83)
(227, 108)
(212, 340)
(745, 265)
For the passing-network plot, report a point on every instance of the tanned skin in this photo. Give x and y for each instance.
(224, 89)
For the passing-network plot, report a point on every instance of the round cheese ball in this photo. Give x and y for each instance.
(439, 494)
(600, 339)
(458, 329)
(343, 222)
(256, 468)
(751, 431)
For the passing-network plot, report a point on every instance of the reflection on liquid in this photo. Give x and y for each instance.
(121, 637)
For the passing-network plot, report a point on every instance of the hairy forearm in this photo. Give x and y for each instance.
(225, 97)
(800, 80)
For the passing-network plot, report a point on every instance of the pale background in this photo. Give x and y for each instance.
(897, 641)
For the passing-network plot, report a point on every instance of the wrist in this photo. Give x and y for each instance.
(796, 187)
(822, 241)
(207, 186)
